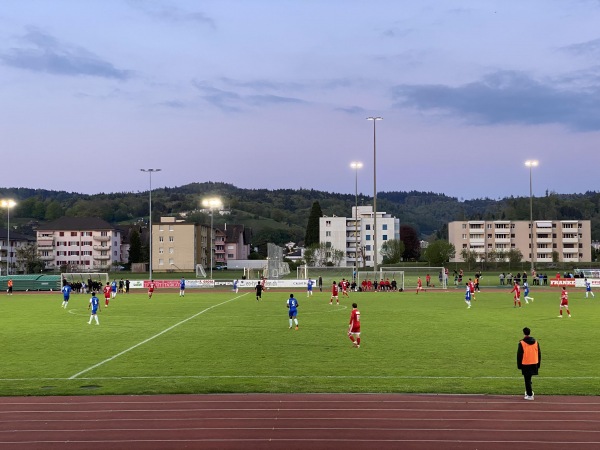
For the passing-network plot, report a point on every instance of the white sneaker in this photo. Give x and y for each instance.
(527, 397)
(569, 315)
(560, 317)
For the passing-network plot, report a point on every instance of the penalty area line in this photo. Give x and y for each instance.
(72, 377)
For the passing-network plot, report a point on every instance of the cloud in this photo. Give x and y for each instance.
(44, 53)
(507, 97)
(232, 101)
(354, 110)
(588, 48)
(171, 13)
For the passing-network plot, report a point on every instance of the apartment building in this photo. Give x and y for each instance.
(80, 243)
(8, 251)
(355, 235)
(570, 239)
(180, 246)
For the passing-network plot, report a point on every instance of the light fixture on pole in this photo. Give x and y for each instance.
(375, 261)
(212, 203)
(356, 165)
(531, 163)
(7, 204)
(150, 171)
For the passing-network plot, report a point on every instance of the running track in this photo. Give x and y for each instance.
(313, 421)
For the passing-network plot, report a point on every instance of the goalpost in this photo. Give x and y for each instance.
(80, 278)
(407, 277)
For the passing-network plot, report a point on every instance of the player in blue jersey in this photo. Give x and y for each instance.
(292, 305)
(468, 295)
(526, 292)
(113, 289)
(182, 287)
(66, 290)
(309, 287)
(235, 286)
(588, 288)
(95, 305)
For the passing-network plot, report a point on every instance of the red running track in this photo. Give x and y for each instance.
(299, 421)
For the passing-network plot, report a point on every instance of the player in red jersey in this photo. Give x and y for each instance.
(419, 285)
(564, 301)
(517, 297)
(354, 327)
(334, 293)
(107, 291)
(151, 287)
(345, 285)
(472, 289)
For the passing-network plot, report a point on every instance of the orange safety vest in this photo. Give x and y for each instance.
(530, 354)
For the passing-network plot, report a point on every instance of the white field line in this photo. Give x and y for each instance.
(72, 377)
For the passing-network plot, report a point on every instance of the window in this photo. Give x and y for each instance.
(384, 227)
(385, 237)
(104, 233)
(368, 248)
(160, 228)
(171, 249)
(368, 227)
(161, 239)
(464, 236)
(230, 255)
(464, 226)
(328, 223)
(171, 238)
(170, 227)
(161, 262)
(161, 250)
(73, 233)
(171, 261)
(328, 233)
(368, 237)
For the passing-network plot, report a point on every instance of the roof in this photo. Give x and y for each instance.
(14, 236)
(76, 224)
(234, 232)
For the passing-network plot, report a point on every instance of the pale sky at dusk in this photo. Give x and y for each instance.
(275, 94)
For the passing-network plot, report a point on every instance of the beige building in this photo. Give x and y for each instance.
(570, 239)
(179, 246)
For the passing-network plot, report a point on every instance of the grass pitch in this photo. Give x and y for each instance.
(211, 341)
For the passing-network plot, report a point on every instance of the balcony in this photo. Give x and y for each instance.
(570, 240)
(544, 250)
(102, 238)
(45, 244)
(101, 247)
(101, 257)
(502, 240)
(544, 240)
(47, 257)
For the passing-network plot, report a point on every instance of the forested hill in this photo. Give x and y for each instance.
(281, 215)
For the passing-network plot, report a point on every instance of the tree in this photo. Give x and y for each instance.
(316, 255)
(412, 245)
(135, 247)
(312, 228)
(392, 251)
(28, 259)
(469, 257)
(514, 256)
(439, 252)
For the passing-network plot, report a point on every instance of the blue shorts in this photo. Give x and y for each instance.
(293, 313)
(66, 298)
(94, 310)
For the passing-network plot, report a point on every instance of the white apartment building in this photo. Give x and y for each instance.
(355, 235)
(570, 239)
(83, 243)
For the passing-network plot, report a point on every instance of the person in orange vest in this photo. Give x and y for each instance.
(529, 359)
(9, 284)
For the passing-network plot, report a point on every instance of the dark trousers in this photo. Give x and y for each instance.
(528, 388)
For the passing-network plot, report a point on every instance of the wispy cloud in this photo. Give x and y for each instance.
(588, 48)
(506, 97)
(170, 13)
(232, 101)
(44, 53)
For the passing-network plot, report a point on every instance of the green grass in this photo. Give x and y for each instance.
(220, 342)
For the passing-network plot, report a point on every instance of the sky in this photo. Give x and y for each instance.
(275, 94)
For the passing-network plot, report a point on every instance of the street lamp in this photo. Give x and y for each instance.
(7, 204)
(150, 171)
(356, 165)
(531, 163)
(375, 119)
(212, 203)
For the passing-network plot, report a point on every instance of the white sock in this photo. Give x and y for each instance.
(296, 321)
(96, 317)
(290, 323)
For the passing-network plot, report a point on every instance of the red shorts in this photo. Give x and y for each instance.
(355, 330)
(564, 303)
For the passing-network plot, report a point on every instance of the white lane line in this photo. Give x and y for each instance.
(72, 377)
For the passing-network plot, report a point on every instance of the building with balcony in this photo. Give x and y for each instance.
(355, 235)
(569, 240)
(8, 252)
(87, 244)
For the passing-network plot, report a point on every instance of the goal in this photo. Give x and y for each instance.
(407, 277)
(328, 274)
(78, 279)
(200, 272)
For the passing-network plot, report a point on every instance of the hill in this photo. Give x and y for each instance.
(281, 215)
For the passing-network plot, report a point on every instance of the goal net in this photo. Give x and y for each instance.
(407, 278)
(200, 272)
(86, 281)
(327, 274)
